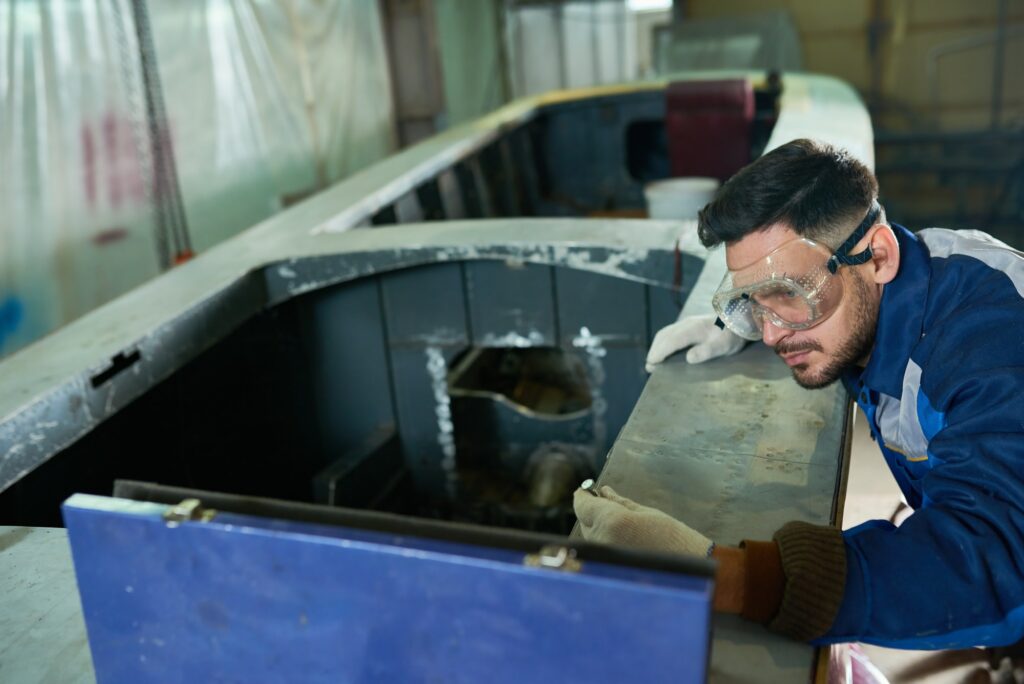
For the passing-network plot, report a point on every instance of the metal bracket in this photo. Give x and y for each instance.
(188, 509)
(554, 558)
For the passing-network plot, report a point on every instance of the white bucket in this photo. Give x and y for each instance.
(679, 198)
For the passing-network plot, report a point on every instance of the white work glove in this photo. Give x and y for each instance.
(614, 519)
(705, 339)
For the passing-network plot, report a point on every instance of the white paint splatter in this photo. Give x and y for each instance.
(440, 337)
(593, 346)
(513, 339)
(437, 369)
(613, 264)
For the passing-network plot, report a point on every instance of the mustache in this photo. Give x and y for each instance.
(810, 345)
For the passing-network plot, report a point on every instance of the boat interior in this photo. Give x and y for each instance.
(460, 389)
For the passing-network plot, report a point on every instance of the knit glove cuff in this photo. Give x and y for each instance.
(814, 562)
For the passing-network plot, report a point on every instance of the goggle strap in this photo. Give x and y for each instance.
(841, 256)
(836, 260)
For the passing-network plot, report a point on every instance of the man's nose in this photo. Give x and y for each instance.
(773, 334)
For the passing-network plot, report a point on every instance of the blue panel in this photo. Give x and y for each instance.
(584, 153)
(663, 305)
(425, 305)
(249, 599)
(510, 306)
(469, 180)
(569, 148)
(622, 377)
(425, 312)
(424, 416)
(344, 338)
(605, 305)
(500, 178)
(614, 313)
(511, 185)
(480, 188)
(525, 161)
(505, 438)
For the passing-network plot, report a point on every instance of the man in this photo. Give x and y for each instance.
(926, 332)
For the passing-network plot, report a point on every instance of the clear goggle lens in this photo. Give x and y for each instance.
(791, 288)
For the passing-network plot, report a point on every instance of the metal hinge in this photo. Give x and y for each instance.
(554, 558)
(188, 509)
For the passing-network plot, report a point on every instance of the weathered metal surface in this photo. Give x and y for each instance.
(511, 304)
(344, 343)
(42, 634)
(49, 400)
(606, 321)
(362, 475)
(423, 339)
(509, 436)
(736, 449)
(611, 308)
(360, 604)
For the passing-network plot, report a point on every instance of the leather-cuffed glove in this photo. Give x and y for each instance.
(705, 339)
(614, 519)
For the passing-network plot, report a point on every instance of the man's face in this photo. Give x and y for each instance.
(816, 355)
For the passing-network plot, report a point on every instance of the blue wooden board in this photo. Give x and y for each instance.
(243, 598)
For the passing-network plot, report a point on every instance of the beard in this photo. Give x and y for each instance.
(862, 318)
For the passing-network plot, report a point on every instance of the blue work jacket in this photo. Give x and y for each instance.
(943, 393)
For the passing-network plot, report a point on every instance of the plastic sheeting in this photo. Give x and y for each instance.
(594, 43)
(469, 40)
(267, 102)
(766, 40)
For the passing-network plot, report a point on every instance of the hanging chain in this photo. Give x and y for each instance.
(153, 145)
(170, 207)
(139, 137)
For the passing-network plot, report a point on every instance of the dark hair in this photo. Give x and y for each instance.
(819, 191)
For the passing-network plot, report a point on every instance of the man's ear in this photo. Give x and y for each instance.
(885, 254)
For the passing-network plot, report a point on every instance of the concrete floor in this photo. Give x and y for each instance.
(871, 494)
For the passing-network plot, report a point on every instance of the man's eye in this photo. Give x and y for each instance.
(783, 292)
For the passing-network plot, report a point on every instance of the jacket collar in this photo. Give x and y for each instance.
(900, 317)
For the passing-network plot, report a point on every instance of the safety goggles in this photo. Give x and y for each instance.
(796, 286)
